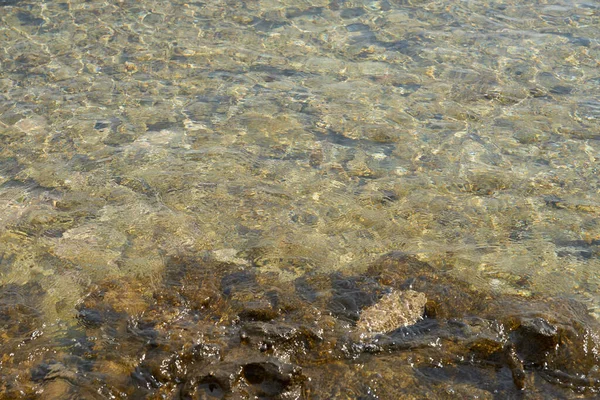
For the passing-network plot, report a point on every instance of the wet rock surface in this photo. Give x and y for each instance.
(221, 330)
(394, 310)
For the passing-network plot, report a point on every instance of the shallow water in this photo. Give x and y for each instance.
(287, 139)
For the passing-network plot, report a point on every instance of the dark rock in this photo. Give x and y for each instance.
(258, 338)
(100, 125)
(143, 377)
(389, 196)
(351, 294)
(533, 339)
(516, 367)
(357, 27)
(561, 89)
(28, 19)
(294, 12)
(352, 12)
(9, 2)
(265, 25)
(270, 378)
(258, 310)
(580, 41)
(554, 202)
(19, 306)
(281, 338)
(212, 388)
(206, 387)
(237, 281)
(304, 289)
(90, 318)
(39, 372)
(159, 126)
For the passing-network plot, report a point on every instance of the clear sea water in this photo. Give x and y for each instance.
(306, 136)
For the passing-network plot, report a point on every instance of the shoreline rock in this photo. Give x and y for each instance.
(223, 330)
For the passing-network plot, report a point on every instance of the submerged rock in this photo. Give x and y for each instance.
(215, 330)
(394, 310)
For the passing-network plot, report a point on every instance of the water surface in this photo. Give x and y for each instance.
(289, 138)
